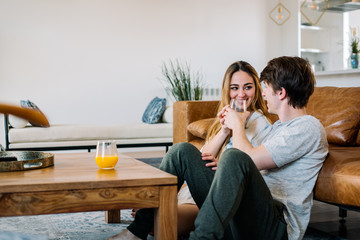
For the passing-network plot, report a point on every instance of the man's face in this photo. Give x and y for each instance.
(271, 98)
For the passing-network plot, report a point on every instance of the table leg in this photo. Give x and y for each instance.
(165, 226)
(113, 216)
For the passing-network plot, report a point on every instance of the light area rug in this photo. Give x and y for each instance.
(77, 226)
(80, 226)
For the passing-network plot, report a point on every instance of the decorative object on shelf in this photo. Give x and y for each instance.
(354, 60)
(317, 67)
(355, 48)
(313, 10)
(279, 14)
(181, 82)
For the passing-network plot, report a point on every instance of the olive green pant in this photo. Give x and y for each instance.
(234, 200)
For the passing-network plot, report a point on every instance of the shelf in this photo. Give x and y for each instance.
(312, 50)
(338, 72)
(313, 28)
(319, 44)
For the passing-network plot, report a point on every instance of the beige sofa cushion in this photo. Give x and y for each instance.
(62, 133)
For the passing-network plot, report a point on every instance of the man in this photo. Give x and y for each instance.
(237, 201)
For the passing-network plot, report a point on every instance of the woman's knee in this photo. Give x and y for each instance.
(234, 156)
(183, 151)
(183, 146)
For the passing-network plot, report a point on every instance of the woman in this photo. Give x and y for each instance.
(240, 81)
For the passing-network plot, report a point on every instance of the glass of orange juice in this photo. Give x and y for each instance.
(106, 154)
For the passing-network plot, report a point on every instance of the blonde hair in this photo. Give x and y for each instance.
(258, 103)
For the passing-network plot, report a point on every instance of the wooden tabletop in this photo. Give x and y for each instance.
(79, 171)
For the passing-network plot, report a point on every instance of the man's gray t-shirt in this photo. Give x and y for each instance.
(298, 148)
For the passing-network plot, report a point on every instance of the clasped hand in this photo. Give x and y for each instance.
(230, 119)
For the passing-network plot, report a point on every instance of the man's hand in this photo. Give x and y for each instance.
(234, 120)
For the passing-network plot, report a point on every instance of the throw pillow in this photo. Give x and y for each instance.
(154, 110)
(167, 117)
(200, 128)
(31, 105)
(17, 122)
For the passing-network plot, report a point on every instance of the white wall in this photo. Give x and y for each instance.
(99, 61)
(282, 39)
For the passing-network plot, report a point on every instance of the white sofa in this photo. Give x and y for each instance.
(70, 137)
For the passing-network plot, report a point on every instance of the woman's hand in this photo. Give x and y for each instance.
(221, 115)
(209, 157)
(213, 146)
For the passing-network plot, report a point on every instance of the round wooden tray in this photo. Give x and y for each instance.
(24, 160)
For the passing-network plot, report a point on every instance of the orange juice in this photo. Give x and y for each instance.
(106, 161)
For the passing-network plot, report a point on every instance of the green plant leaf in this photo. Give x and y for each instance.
(183, 84)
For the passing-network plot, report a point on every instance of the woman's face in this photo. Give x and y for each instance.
(242, 86)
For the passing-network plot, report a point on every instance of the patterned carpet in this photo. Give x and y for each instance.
(79, 226)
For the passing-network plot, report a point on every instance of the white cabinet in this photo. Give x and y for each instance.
(314, 45)
(314, 39)
(323, 44)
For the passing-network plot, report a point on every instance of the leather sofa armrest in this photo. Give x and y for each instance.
(186, 112)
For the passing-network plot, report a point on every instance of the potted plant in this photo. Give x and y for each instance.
(355, 48)
(181, 82)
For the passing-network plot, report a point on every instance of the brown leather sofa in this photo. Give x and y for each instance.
(338, 109)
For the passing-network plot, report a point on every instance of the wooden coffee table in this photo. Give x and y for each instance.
(76, 184)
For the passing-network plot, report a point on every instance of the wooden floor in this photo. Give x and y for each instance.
(324, 217)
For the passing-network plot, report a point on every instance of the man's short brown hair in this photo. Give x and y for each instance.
(294, 74)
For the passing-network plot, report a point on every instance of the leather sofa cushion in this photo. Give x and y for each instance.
(200, 128)
(339, 178)
(338, 109)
